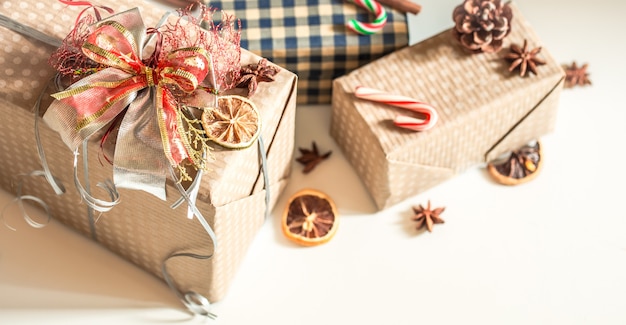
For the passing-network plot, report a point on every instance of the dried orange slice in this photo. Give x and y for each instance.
(310, 218)
(235, 123)
(519, 166)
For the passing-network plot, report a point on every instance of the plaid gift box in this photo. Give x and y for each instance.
(484, 111)
(143, 228)
(309, 37)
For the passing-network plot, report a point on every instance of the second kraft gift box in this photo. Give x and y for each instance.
(484, 110)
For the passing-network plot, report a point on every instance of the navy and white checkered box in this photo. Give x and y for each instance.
(309, 38)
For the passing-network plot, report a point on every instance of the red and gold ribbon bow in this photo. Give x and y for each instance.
(146, 94)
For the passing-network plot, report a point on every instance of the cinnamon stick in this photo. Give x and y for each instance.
(405, 6)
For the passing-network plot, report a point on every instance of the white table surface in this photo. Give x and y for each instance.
(552, 251)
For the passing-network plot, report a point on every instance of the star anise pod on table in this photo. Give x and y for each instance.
(576, 76)
(311, 158)
(524, 58)
(427, 217)
(252, 74)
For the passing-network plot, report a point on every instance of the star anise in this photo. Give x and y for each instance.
(251, 75)
(524, 59)
(576, 76)
(311, 158)
(426, 217)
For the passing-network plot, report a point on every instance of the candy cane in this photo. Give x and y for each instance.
(373, 27)
(407, 122)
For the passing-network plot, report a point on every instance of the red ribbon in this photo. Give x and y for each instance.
(95, 97)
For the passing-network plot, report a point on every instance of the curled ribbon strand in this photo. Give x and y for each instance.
(55, 183)
(20, 199)
(85, 192)
(195, 302)
(89, 5)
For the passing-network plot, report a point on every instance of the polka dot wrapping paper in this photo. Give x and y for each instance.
(310, 38)
(484, 111)
(142, 228)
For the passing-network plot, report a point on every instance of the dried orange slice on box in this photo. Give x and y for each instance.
(310, 218)
(235, 123)
(519, 166)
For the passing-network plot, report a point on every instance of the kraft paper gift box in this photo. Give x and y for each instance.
(142, 228)
(484, 111)
(309, 37)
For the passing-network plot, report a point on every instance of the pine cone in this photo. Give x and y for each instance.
(481, 25)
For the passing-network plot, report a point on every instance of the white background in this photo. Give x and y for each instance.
(552, 251)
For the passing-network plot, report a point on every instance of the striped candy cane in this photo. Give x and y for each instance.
(407, 122)
(373, 27)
